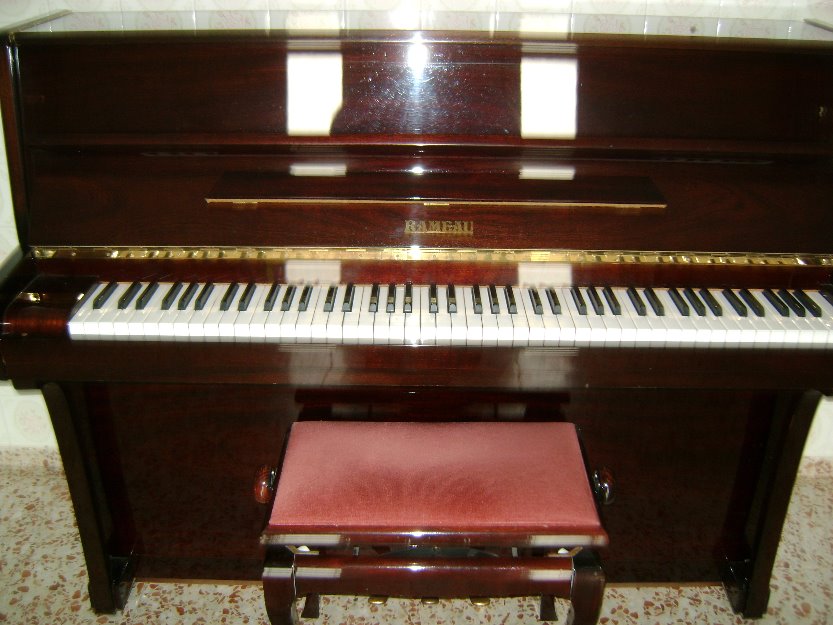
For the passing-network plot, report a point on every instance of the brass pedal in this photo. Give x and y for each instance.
(377, 600)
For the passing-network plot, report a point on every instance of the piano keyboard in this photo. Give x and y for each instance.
(479, 315)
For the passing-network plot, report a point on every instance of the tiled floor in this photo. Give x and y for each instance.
(43, 580)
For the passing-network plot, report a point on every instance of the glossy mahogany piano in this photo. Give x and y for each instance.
(226, 232)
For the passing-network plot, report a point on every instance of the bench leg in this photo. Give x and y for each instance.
(588, 588)
(547, 609)
(312, 606)
(279, 587)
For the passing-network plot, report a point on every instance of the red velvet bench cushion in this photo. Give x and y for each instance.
(518, 483)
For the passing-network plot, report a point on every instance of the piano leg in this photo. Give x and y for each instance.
(746, 575)
(110, 575)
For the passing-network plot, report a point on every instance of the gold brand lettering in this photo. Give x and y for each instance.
(417, 226)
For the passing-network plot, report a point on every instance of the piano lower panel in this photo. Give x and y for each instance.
(176, 464)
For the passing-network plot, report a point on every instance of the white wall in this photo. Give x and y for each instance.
(23, 417)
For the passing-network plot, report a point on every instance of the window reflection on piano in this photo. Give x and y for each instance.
(418, 88)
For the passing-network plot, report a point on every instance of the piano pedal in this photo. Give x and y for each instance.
(377, 600)
(479, 602)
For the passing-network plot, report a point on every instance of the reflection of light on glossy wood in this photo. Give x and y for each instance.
(313, 92)
(549, 97)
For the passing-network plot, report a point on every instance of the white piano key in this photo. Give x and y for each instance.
(367, 319)
(210, 323)
(303, 325)
(103, 321)
(570, 313)
(459, 319)
(520, 322)
(350, 323)
(427, 319)
(318, 324)
(627, 326)
(443, 319)
(335, 320)
(153, 314)
(289, 319)
(534, 321)
(396, 325)
(76, 326)
(676, 331)
(474, 321)
(412, 319)
(246, 319)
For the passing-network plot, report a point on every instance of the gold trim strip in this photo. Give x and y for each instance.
(280, 254)
(619, 206)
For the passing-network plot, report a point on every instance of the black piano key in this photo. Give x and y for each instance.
(171, 295)
(408, 306)
(579, 300)
(754, 305)
(612, 301)
(827, 293)
(637, 302)
(202, 298)
(288, 296)
(373, 306)
(679, 302)
(792, 302)
(807, 302)
(595, 300)
(696, 303)
(349, 296)
(433, 304)
(228, 296)
(509, 296)
(246, 297)
(494, 303)
(711, 302)
(552, 298)
(330, 299)
(187, 296)
(776, 303)
(306, 295)
(148, 293)
(105, 294)
(271, 297)
(390, 303)
(451, 298)
(129, 294)
(477, 302)
(653, 301)
(734, 301)
(535, 300)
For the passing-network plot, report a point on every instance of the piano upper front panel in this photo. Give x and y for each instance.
(152, 199)
(203, 90)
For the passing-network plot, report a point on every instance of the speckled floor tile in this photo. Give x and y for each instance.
(43, 580)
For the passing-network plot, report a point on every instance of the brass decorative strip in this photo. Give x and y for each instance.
(280, 254)
(587, 204)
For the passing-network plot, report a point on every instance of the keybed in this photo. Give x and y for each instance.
(464, 315)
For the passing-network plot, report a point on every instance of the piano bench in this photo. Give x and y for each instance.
(433, 510)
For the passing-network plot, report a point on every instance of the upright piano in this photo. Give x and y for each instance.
(225, 232)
